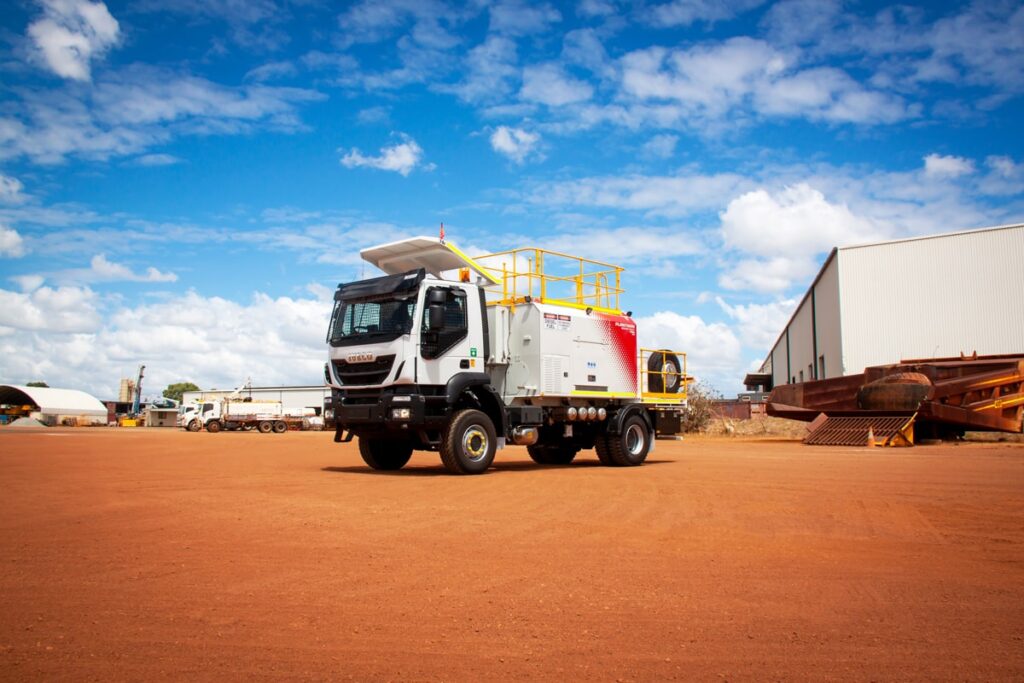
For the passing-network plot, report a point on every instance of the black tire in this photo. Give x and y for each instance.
(469, 443)
(280, 427)
(601, 447)
(194, 426)
(384, 454)
(553, 454)
(213, 426)
(630, 448)
(669, 383)
(265, 426)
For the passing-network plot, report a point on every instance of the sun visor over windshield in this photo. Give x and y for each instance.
(381, 286)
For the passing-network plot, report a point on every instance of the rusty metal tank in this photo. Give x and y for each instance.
(901, 391)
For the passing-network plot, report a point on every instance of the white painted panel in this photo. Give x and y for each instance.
(826, 295)
(801, 343)
(936, 296)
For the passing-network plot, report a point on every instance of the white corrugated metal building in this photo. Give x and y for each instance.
(295, 400)
(923, 297)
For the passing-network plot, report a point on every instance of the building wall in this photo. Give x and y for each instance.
(779, 363)
(801, 343)
(293, 399)
(830, 340)
(932, 297)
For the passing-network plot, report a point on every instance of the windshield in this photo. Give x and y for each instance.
(358, 322)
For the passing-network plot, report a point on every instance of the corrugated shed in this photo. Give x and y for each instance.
(934, 296)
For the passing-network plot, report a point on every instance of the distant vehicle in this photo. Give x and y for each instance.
(163, 402)
(233, 414)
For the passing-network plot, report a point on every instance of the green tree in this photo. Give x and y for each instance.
(177, 390)
(38, 384)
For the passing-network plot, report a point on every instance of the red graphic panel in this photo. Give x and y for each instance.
(621, 332)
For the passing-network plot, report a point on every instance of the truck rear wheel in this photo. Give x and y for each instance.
(632, 445)
(280, 427)
(213, 426)
(552, 454)
(265, 426)
(384, 454)
(469, 443)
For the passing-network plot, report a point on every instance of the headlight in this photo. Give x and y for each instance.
(400, 413)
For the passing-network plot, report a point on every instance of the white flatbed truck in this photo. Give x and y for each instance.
(231, 414)
(463, 355)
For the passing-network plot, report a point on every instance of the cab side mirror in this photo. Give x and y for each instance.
(435, 316)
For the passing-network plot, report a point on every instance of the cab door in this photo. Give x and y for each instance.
(451, 338)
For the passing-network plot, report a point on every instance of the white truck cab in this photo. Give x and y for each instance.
(460, 355)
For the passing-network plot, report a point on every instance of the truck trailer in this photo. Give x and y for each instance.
(463, 355)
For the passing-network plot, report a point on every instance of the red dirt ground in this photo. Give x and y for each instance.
(150, 554)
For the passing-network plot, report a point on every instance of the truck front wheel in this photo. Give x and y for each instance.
(213, 426)
(469, 443)
(194, 426)
(384, 454)
(630, 447)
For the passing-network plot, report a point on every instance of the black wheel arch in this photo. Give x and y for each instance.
(473, 389)
(619, 417)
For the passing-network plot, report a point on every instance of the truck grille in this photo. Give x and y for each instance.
(358, 374)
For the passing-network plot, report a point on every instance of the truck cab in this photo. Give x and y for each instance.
(442, 353)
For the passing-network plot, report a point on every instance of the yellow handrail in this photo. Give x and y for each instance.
(643, 357)
(552, 277)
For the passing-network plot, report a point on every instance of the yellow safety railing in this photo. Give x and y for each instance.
(669, 383)
(553, 278)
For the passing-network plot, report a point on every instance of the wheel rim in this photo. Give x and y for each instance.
(474, 443)
(671, 371)
(635, 439)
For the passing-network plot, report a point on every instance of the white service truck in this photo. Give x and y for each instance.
(463, 355)
(227, 413)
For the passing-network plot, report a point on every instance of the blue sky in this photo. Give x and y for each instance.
(184, 182)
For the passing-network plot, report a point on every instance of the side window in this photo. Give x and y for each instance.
(207, 406)
(434, 343)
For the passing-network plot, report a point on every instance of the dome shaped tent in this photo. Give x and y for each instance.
(54, 404)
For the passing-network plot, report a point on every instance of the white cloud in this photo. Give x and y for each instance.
(71, 34)
(401, 157)
(686, 12)
(937, 165)
(742, 74)
(208, 340)
(156, 160)
(10, 190)
(647, 246)
(490, 67)
(786, 231)
(712, 349)
(64, 309)
(596, 8)
(549, 84)
(661, 146)
(678, 195)
(271, 71)
(759, 324)
(515, 143)
(103, 269)
(11, 243)
(518, 18)
(126, 112)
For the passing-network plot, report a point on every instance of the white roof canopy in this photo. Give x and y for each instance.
(430, 253)
(52, 401)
